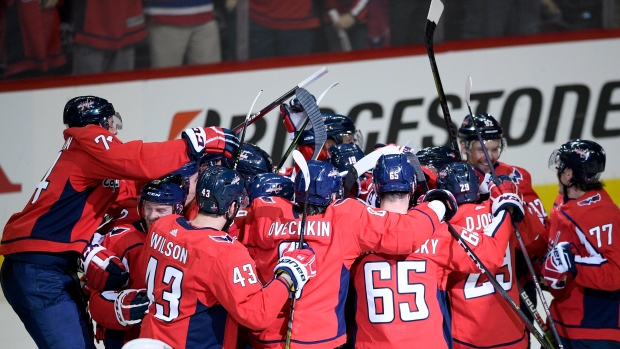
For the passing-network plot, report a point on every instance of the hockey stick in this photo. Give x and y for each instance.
(314, 114)
(345, 43)
(301, 129)
(422, 180)
(364, 165)
(434, 13)
(245, 127)
(528, 262)
(303, 166)
(312, 78)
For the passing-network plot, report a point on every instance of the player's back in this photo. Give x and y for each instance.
(179, 260)
(480, 316)
(338, 237)
(400, 303)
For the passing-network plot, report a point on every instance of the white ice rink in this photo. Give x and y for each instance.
(14, 334)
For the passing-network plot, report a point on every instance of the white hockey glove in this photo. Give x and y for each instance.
(103, 270)
(297, 267)
(130, 306)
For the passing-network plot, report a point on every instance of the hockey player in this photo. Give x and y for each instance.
(45, 239)
(345, 155)
(493, 324)
(118, 313)
(196, 273)
(583, 265)
(340, 129)
(401, 299)
(435, 158)
(338, 231)
(533, 228)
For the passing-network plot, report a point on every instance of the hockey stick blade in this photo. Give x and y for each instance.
(300, 161)
(245, 127)
(316, 119)
(300, 130)
(312, 78)
(434, 14)
(419, 173)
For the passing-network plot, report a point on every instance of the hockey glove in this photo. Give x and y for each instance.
(232, 144)
(103, 270)
(293, 115)
(130, 306)
(210, 140)
(505, 196)
(298, 265)
(559, 263)
(444, 197)
(484, 184)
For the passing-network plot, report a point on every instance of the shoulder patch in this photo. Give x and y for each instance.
(516, 175)
(222, 238)
(591, 200)
(267, 199)
(117, 230)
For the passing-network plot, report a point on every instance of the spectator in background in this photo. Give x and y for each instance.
(407, 21)
(349, 28)
(30, 36)
(105, 35)
(494, 18)
(282, 28)
(182, 32)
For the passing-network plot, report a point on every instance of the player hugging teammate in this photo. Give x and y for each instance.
(203, 247)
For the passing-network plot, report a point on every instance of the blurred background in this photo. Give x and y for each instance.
(70, 37)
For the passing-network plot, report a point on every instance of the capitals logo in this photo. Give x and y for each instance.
(584, 154)
(275, 189)
(591, 200)
(516, 176)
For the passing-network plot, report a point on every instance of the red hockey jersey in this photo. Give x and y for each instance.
(587, 308)
(194, 276)
(75, 193)
(347, 229)
(534, 227)
(126, 242)
(281, 15)
(395, 293)
(480, 316)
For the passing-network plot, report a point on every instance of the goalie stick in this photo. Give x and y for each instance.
(312, 78)
(245, 127)
(419, 173)
(528, 262)
(301, 129)
(303, 167)
(431, 23)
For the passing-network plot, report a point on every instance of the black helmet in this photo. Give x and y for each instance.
(88, 110)
(585, 158)
(168, 190)
(461, 180)
(437, 157)
(488, 126)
